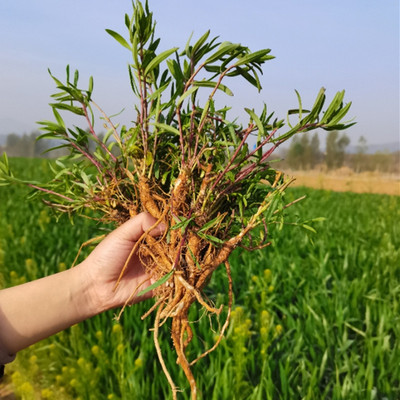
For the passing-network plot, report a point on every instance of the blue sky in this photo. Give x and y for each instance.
(351, 45)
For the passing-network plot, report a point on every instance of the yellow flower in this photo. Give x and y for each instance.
(120, 348)
(62, 266)
(271, 288)
(81, 362)
(267, 274)
(16, 378)
(116, 328)
(278, 329)
(73, 382)
(138, 362)
(263, 332)
(28, 263)
(58, 379)
(95, 350)
(99, 335)
(46, 394)
(254, 278)
(33, 359)
(26, 390)
(111, 396)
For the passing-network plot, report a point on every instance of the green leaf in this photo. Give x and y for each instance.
(158, 92)
(155, 285)
(149, 158)
(300, 104)
(211, 84)
(225, 48)
(340, 114)
(159, 59)
(119, 38)
(76, 77)
(85, 178)
(187, 47)
(255, 118)
(192, 90)
(204, 113)
(210, 238)
(60, 121)
(308, 227)
(182, 222)
(175, 70)
(211, 223)
(167, 128)
(200, 42)
(63, 106)
(90, 90)
(258, 56)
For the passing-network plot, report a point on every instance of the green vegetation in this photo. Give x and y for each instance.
(317, 315)
(184, 160)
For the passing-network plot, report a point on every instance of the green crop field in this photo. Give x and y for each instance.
(316, 315)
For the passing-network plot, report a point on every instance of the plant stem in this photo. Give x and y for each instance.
(50, 192)
(93, 132)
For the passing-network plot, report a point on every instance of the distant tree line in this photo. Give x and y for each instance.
(304, 152)
(27, 145)
(24, 145)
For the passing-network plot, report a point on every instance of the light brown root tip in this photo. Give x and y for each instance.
(176, 333)
(223, 329)
(189, 287)
(131, 297)
(153, 307)
(84, 244)
(159, 354)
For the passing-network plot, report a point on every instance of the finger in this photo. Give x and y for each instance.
(133, 229)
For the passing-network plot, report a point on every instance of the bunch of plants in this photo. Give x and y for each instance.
(184, 161)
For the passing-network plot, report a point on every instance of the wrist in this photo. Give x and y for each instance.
(97, 297)
(87, 299)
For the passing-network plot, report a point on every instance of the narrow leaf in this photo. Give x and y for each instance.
(159, 59)
(225, 48)
(167, 128)
(258, 56)
(155, 285)
(255, 118)
(192, 90)
(119, 38)
(211, 84)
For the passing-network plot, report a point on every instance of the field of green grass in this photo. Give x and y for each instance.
(316, 315)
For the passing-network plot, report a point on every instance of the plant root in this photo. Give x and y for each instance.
(188, 254)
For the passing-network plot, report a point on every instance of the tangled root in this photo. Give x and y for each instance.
(191, 258)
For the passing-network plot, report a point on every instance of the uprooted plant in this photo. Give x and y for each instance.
(183, 162)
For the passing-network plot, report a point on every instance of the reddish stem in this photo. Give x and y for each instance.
(92, 131)
(50, 192)
(221, 174)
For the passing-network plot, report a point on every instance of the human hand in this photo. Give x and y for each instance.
(104, 265)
